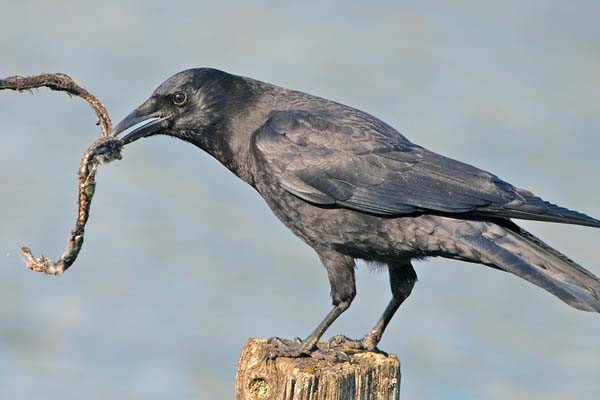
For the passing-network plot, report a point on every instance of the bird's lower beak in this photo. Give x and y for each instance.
(147, 125)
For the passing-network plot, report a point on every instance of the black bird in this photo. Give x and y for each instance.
(352, 187)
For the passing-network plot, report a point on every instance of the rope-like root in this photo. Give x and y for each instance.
(62, 83)
(105, 149)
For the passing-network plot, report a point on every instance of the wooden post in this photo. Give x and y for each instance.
(367, 376)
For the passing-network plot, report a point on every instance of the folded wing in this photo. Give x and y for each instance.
(355, 161)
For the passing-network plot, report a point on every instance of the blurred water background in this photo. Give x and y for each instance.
(183, 262)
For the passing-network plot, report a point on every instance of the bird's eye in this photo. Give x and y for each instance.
(179, 98)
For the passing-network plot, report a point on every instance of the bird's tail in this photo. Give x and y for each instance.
(513, 249)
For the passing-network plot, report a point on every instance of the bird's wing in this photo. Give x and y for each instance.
(355, 161)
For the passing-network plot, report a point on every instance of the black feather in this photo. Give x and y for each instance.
(368, 166)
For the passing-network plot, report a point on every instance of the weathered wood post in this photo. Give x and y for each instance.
(367, 376)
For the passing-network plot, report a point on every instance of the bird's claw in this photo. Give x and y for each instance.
(341, 341)
(279, 347)
(367, 343)
(331, 355)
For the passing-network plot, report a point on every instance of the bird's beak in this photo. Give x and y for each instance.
(150, 123)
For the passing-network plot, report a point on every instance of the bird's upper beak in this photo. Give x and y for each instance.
(150, 123)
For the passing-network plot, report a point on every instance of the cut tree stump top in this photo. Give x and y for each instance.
(367, 376)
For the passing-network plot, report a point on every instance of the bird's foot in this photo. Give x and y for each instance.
(367, 343)
(279, 347)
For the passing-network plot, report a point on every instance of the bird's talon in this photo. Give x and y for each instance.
(276, 341)
(338, 340)
(344, 342)
(287, 348)
(330, 355)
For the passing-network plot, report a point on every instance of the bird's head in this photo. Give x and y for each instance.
(193, 105)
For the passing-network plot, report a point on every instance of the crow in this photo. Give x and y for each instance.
(352, 187)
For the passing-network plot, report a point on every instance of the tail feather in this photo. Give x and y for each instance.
(532, 207)
(519, 252)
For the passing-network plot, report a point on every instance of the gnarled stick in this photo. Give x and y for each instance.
(105, 149)
(61, 83)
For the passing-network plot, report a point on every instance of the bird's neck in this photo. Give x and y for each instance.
(239, 130)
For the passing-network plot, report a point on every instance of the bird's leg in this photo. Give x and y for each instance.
(402, 280)
(298, 347)
(340, 270)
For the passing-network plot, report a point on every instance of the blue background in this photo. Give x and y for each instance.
(183, 262)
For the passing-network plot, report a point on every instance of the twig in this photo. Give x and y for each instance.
(105, 149)
(61, 83)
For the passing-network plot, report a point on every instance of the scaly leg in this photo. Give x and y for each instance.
(402, 281)
(340, 270)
